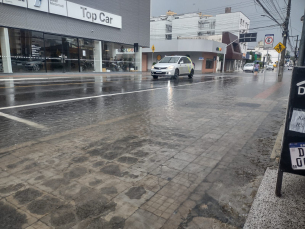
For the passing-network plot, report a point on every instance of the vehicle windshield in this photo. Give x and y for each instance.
(169, 59)
(251, 64)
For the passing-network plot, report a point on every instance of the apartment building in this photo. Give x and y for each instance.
(172, 26)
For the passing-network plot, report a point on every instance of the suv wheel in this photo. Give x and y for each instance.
(176, 75)
(155, 77)
(191, 74)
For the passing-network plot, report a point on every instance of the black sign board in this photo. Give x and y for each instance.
(293, 148)
(247, 37)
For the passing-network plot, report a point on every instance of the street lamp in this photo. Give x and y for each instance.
(271, 19)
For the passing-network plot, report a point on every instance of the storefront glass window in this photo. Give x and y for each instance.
(1, 65)
(33, 51)
(86, 55)
(54, 49)
(27, 51)
(209, 64)
(71, 52)
(118, 57)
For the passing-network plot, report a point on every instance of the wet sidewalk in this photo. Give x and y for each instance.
(91, 74)
(269, 211)
(184, 154)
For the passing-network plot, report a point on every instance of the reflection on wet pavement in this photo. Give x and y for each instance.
(157, 153)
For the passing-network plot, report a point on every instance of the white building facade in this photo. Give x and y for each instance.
(173, 26)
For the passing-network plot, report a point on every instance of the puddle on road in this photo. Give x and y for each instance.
(44, 205)
(11, 188)
(109, 190)
(27, 195)
(10, 217)
(135, 192)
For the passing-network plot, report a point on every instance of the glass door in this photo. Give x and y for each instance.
(54, 53)
(62, 53)
(70, 54)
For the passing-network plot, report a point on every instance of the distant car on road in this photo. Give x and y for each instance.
(173, 66)
(290, 67)
(249, 67)
(270, 67)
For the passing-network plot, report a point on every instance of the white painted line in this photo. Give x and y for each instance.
(22, 79)
(33, 124)
(99, 96)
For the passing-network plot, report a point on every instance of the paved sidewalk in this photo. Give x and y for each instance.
(269, 211)
(92, 74)
(185, 157)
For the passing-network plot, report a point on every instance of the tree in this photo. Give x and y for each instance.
(253, 56)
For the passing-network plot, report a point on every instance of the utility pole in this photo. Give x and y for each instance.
(295, 50)
(302, 46)
(285, 36)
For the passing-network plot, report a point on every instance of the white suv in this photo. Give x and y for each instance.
(173, 66)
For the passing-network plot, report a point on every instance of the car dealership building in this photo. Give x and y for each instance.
(73, 35)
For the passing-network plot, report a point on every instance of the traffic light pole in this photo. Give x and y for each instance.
(285, 35)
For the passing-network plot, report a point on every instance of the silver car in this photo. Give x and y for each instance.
(249, 67)
(173, 66)
(270, 67)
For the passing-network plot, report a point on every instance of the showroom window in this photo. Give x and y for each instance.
(27, 51)
(118, 57)
(209, 64)
(86, 55)
(1, 65)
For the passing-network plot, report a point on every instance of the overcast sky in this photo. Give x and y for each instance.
(251, 9)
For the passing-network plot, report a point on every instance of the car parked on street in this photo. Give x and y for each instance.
(249, 67)
(173, 66)
(290, 67)
(270, 67)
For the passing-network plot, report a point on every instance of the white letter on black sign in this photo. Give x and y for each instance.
(300, 92)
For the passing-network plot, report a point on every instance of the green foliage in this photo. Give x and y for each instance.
(253, 56)
(154, 63)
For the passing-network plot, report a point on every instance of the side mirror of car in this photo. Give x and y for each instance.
(181, 62)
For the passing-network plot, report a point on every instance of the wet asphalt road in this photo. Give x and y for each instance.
(131, 151)
(56, 103)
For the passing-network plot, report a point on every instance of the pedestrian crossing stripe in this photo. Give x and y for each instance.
(279, 47)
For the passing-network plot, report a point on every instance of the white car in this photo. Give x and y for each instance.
(173, 66)
(290, 67)
(249, 67)
(270, 67)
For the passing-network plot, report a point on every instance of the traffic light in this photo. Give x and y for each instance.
(218, 49)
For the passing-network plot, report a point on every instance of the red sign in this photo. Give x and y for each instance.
(268, 40)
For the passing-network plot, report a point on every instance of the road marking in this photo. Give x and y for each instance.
(99, 96)
(265, 94)
(33, 124)
(46, 85)
(22, 79)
